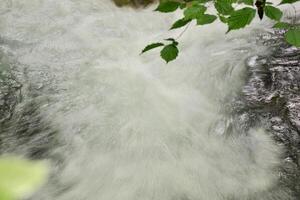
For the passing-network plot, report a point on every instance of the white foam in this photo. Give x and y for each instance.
(133, 127)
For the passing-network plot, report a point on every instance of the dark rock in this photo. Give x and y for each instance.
(272, 94)
(10, 89)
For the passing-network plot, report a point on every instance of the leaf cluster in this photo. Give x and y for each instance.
(196, 10)
(169, 51)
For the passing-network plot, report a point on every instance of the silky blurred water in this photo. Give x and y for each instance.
(128, 125)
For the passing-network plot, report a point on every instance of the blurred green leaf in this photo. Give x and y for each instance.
(292, 36)
(223, 19)
(273, 13)
(288, 1)
(20, 178)
(282, 25)
(247, 2)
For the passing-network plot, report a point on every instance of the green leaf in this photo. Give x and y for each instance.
(282, 25)
(182, 6)
(168, 6)
(293, 37)
(240, 18)
(273, 13)
(200, 1)
(223, 19)
(180, 23)
(206, 19)
(169, 53)
(174, 42)
(194, 11)
(288, 1)
(19, 178)
(247, 2)
(152, 46)
(224, 7)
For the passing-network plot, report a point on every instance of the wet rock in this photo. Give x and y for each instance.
(293, 106)
(22, 128)
(272, 94)
(10, 89)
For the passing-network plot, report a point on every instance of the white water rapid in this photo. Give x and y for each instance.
(130, 127)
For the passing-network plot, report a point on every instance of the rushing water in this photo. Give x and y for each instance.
(115, 125)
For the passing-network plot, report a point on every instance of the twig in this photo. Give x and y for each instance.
(185, 29)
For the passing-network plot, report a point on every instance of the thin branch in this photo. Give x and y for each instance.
(185, 29)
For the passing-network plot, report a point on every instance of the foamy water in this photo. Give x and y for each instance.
(130, 126)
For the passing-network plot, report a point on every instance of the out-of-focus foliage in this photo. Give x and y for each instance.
(292, 36)
(20, 178)
(236, 14)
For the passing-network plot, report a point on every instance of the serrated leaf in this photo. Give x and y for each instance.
(168, 6)
(180, 23)
(273, 13)
(19, 178)
(292, 36)
(224, 7)
(282, 25)
(194, 11)
(288, 1)
(152, 46)
(169, 53)
(206, 19)
(240, 18)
